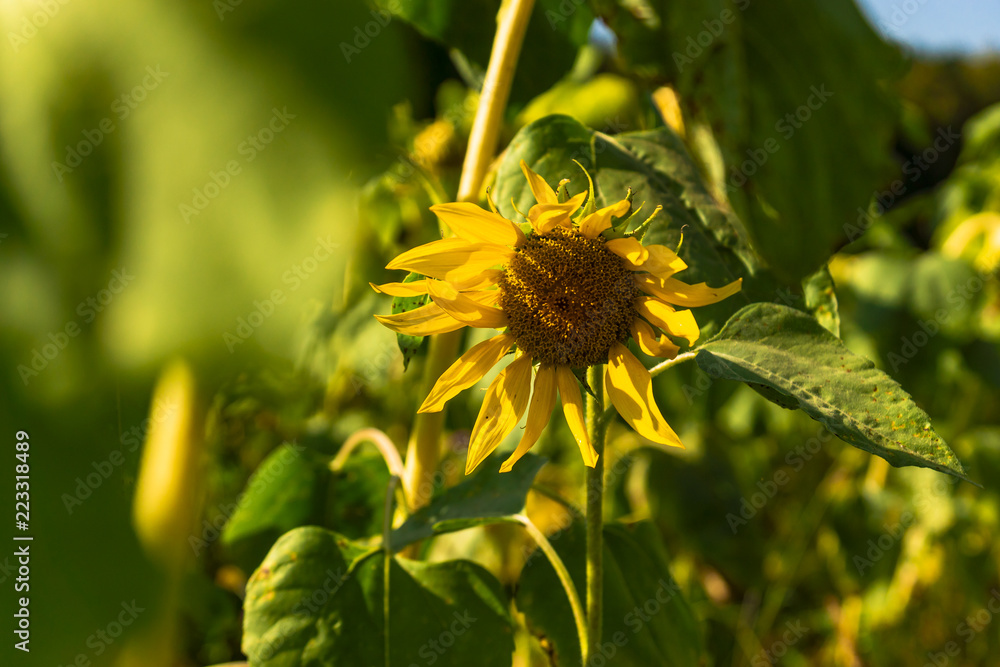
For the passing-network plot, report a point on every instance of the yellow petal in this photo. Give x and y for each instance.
(662, 261)
(422, 321)
(472, 223)
(451, 259)
(592, 225)
(629, 249)
(475, 309)
(676, 292)
(416, 288)
(542, 402)
(467, 371)
(480, 280)
(630, 388)
(505, 402)
(549, 219)
(544, 194)
(572, 404)
(649, 343)
(678, 323)
(559, 213)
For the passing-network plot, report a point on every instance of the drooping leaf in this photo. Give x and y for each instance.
(647, 620)
(792, 354)
(409, 345)
(792, 94)
(320, 599)
(487, 497)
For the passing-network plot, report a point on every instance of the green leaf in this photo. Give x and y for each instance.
(647, 621)
(821, 300)
(320, 599)
(489, 496)
(792, 354)
(286, 491)
(659, 170)
(409, 345)
(793, 93)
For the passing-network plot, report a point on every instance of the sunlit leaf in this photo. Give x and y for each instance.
(792, 354)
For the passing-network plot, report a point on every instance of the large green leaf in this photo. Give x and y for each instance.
(287, 490)
(658, 168)
(647, 621)
(790, 354)
(793, 93)
(488, 496)
(320, 599)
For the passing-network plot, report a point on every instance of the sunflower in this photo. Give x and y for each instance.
(566, 295)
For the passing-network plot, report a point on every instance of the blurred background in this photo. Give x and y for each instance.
(218, 181)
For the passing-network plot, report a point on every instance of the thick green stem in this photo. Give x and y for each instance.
(595, 514)
(512, 22)
(557, 564)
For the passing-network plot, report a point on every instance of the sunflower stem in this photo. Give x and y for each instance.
(595, 514)
(567, 582)
(424, 446)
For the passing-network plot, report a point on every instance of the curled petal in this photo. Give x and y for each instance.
(678, 323)
(662, 261)
(505, 402)
(649, 343)
(475, 309)
(592, 225)
(545, 217)
(542, 401)
(416, 288)
(572, 404)
(473, 224)
(676, 292)
(630, 388)
(422, 321)
(451, 259)
(629, 249)
(544, 194)
(467, 371)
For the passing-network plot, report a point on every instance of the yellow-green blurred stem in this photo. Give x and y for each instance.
(596, 427)
(512, 22)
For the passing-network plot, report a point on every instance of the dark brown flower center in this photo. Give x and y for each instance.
(567, 298)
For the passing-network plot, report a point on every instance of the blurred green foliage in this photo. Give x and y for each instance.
(247, 169)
